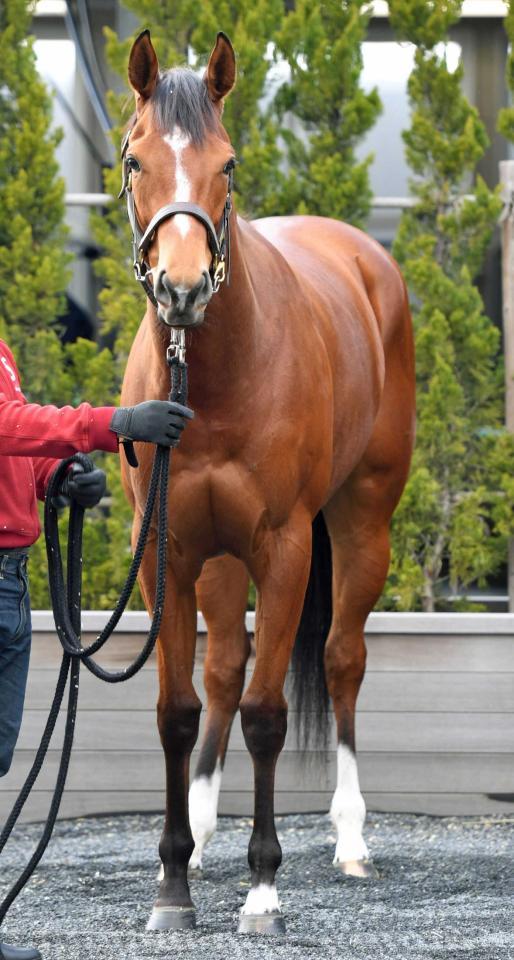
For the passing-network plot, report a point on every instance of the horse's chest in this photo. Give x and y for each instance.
(227, 508)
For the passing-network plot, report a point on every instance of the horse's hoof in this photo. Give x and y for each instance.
(194, 873)
(364, 869)
(268, 923)
(172, 918)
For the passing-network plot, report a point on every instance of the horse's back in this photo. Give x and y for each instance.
(330, 255)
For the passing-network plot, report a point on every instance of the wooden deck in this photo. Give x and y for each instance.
(435, 733)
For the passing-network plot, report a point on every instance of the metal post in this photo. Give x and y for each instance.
(507, 236)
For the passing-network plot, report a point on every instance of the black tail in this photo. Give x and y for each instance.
(309, 688)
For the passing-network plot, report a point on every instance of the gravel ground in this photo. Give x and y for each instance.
(446, 891)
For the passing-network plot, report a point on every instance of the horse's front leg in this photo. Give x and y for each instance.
(280, 571)
(222, 596)
(178, 715)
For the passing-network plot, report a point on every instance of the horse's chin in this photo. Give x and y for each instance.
(187, 319)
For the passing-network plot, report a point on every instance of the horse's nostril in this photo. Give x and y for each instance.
(163, 289)
(199, 289)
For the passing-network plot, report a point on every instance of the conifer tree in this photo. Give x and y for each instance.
(452, 521)
(506, 116)
(34, 272)
(322, 43)
(33, 262)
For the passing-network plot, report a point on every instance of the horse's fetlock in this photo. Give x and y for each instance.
(176, 848)
(264, 857)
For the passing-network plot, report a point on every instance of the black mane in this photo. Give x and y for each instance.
(181, 100)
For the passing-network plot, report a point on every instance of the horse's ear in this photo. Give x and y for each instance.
(143, 67)
(220, 75)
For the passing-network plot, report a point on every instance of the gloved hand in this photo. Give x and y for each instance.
(87, 489)
(155, 421)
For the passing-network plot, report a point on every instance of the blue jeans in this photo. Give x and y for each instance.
(15, 640)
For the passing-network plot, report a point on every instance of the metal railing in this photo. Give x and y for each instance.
(102, 199)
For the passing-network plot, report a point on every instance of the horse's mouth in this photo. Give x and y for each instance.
(172, 317)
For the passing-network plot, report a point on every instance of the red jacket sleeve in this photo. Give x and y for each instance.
(31, 430)
(47, 434)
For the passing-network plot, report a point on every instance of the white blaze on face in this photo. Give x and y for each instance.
(203, 812)
(348, 810)
(177, 142)
(262, 899)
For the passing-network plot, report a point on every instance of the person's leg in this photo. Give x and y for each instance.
(15, 638)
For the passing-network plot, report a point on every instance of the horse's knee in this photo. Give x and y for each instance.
(264, 726)
(224, 680)
(178, 723)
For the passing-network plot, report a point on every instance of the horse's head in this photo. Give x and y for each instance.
(179, 153)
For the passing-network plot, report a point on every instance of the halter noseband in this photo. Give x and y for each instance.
(219, 241)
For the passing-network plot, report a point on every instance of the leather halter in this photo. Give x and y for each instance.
(219, 240)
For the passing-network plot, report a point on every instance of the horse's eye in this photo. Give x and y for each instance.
(230, 164)
(133, 164)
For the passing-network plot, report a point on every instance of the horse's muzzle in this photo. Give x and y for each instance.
(179, 305)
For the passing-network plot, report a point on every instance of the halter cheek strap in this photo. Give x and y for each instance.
(219, 241)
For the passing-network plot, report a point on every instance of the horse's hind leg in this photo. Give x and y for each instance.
(360, 558)
(357, 518)
(222, 595)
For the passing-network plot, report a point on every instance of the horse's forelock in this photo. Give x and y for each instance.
(181, 100)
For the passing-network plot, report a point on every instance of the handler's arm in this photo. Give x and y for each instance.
(31, 430)
(47, 434)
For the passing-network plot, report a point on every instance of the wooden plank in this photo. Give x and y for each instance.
(384, 772)
(405, 653)
(444, 692)
(140, 692)
(118, 651)
(435, 732)
(138, 621)
(476, 654)
(381, 690)
(80, 803)
(119, 730)
(438, 804)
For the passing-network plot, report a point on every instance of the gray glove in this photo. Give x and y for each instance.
(86, 488)
(154, 421)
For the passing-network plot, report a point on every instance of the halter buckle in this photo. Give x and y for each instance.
(177, 345)
(219, 275)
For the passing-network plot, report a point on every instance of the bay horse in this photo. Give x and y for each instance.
(301, 377)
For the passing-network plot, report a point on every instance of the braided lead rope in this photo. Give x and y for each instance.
(66, 604)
